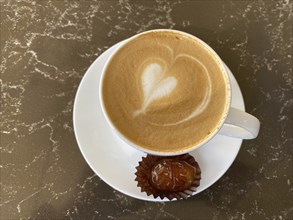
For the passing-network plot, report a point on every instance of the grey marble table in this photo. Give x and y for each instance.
(46, 48)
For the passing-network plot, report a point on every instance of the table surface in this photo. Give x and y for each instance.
(46, 48)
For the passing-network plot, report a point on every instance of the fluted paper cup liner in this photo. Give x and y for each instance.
(143, 177)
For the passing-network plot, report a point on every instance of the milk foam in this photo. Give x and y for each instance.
(157, 85)
(164, 91)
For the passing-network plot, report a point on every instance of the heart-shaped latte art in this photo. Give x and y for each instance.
(156, 85)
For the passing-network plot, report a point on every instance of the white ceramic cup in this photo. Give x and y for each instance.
(235, 123)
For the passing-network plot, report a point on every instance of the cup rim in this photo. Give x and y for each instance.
(164, 153)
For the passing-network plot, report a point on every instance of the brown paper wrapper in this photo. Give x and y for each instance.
(143, 177)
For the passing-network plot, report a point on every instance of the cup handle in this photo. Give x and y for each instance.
(240, 124)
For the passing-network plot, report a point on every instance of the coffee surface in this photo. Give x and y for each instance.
(165, 91)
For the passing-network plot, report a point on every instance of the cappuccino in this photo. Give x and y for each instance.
(165, 91)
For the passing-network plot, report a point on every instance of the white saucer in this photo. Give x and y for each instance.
(114, 162)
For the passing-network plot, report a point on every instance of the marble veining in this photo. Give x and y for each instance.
(47, 46)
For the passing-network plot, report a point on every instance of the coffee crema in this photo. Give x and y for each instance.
(165, 91)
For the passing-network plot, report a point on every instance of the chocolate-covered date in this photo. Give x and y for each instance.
(172, 175)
